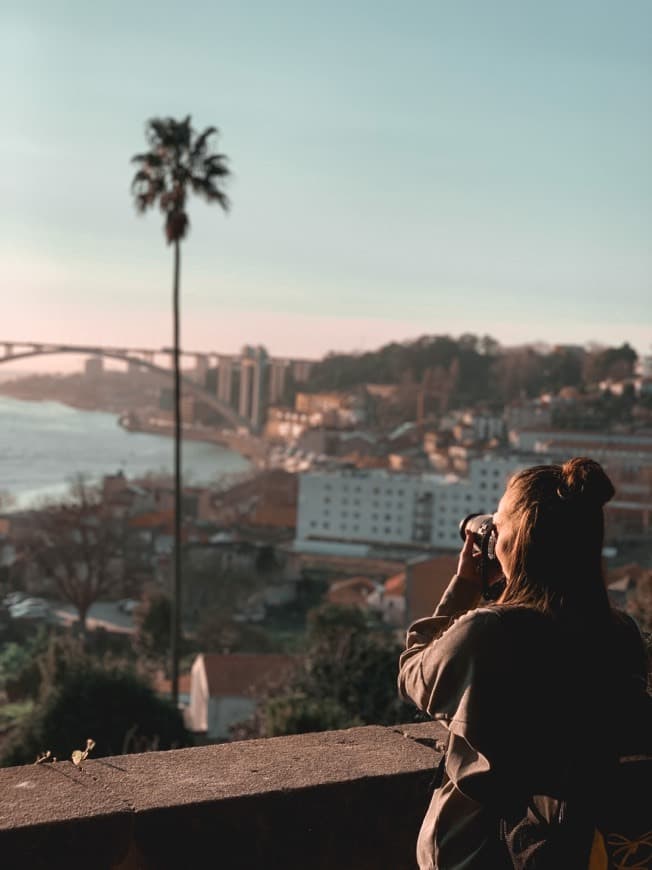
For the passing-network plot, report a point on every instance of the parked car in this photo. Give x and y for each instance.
(14, 598)
(128, 605)
(31, 608)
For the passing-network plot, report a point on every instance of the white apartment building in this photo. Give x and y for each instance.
(398, 509)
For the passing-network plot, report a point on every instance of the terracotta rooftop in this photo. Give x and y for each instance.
(276, 516)
(396, 584)
(152, 520)
(237, 674)
(351, 590)
(163, 686)
(351, 583)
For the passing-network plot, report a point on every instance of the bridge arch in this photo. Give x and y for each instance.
(201, 392)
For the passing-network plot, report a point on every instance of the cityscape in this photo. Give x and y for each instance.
(360, 482)
(326, 436)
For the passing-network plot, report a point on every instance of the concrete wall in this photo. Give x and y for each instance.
(351, 800)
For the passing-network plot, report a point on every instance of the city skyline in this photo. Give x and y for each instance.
(436, 169)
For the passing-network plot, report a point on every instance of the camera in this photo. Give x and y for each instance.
(484, 544)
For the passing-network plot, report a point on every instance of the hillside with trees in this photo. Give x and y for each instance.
(474, 369)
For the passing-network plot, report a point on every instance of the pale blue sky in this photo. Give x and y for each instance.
(399, 168)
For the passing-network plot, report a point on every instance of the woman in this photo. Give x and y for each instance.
(532, 689)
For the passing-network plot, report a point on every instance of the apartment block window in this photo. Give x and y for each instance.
(327, 486)
(313, 524)
(327, 499)
(399, 492)
(345, 501)
(355, 528)
(325, 525)
(376, 490)
(374, 516)
(374, 529)
(388, 530)
(388, 516)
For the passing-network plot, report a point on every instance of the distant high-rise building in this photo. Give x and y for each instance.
(278, 369)
(201, 368)
(301, 370)
(258, 387)
(225, 378)
(93, 367)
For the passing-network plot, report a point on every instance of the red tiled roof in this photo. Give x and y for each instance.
(238, 674)
(152, 520)
(163, 686)
(351, 582)
(632, 571)
(428, 581)
(395, 585)
(352, 590)
(277, 516)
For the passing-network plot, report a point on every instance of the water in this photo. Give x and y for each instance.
(43, 445)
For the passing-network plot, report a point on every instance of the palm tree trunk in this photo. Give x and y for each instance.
(176, 594)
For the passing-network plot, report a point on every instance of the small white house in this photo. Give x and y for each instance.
(225, 689)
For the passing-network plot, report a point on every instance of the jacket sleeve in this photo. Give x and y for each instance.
(449, 655)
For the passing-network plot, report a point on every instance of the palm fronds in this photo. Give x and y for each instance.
(179, 161)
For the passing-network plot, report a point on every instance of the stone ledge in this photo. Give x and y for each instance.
(351, 800)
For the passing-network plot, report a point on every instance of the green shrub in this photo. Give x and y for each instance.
(113, 706)
(20, 674)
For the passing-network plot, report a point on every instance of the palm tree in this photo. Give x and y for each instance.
(179, 162)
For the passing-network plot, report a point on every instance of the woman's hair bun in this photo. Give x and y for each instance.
(586, 479)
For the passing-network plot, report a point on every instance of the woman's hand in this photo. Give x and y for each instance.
(469, 564)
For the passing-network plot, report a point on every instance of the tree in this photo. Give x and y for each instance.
(179, 162)
(78, 547)
(111, 705)
(610, 362)
(152, 619)
(348, 678)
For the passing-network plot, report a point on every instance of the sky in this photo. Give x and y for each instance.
(398, 169)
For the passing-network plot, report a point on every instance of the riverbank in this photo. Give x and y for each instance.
(111, 392)
(45, 445)
(252, 448)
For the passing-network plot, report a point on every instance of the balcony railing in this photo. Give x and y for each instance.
(338, 800)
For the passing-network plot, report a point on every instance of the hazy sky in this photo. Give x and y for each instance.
(399, 168)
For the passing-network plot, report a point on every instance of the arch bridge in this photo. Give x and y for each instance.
(14, 351)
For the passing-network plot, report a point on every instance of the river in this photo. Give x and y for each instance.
(43, 445)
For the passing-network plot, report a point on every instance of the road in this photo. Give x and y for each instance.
(102, 614)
